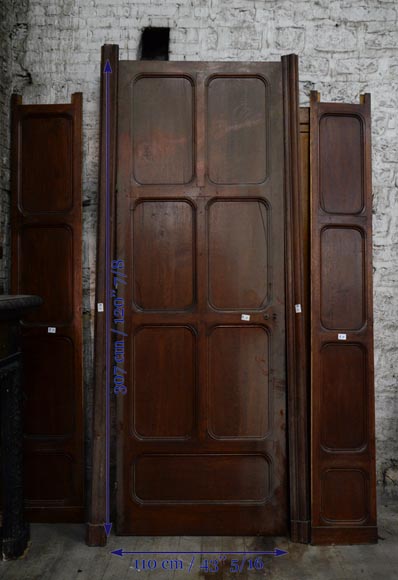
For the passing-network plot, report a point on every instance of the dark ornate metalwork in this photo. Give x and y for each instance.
(14, 532)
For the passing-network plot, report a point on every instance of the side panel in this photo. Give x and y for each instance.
(343, 440)
(47, 260)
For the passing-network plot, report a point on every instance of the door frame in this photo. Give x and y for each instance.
(296, 342)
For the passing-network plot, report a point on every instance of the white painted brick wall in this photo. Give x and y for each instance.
(346, 47)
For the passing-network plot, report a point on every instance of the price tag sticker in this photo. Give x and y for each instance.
(245, 317)
(100, 307)
(297, 308)
(342, 336)
(51, 330)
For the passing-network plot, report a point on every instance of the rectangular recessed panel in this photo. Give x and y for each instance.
(164, 382)
(201, 478)
(162, 130)
(238, 383)
(342, 279)
(344, 496)
(237, 130)
(50, 477)
(343, 397)
(163, 255)
(45, 258)
(50, 397)
(341, 164)
(238, 254)
(46, 171)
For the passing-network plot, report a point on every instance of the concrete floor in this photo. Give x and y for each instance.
(58, 552)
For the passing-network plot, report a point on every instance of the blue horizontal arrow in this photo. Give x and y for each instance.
(276, 552)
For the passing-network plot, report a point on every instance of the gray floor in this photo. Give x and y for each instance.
(58, 552)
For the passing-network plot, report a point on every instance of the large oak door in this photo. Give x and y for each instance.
(200, 226)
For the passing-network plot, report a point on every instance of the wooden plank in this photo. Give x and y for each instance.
(95, 533)
(343, 437)
(295, 321)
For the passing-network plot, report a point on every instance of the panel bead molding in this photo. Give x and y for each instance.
(46, 230)
(343, 432)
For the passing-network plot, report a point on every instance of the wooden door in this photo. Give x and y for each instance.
(47, 260)
(200, 228)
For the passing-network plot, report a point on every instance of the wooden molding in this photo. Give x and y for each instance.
(95, 533)
(298, 442)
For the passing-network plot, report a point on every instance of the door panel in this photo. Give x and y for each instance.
(164, 236)
(237, 129)
(164, 390)
(200, 226)
(238, 242)
(238, 389)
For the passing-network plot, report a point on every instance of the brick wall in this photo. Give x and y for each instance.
(346, 47)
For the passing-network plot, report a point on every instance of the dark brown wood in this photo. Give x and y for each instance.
(305, 221)
(306, 264)
(201, 226)
(343, 438)
(296, 313)
(95, 533)
(47, 260)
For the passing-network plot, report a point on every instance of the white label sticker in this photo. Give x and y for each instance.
(297, 308)
(100, 307)
(245, 317)
(342, 336)
(51, 330)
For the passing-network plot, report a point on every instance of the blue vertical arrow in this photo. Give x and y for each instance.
(107, 72)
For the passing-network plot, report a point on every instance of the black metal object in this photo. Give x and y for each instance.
(154, 44)
(14, 532)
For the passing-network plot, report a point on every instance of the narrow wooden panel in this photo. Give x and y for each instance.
(238, 390)
(340, 138)
(44, 469)
(162, 129)
(238, 233)
(237, 129)
(204, 478)
(344, 399)
(164, 236)
(342, 278)
(164, 382)
(343, 438)
(49, 388)
(344, 496)
(46, 253)
(47, 260)
(46, 176)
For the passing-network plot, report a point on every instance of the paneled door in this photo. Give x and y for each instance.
(200, 226)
